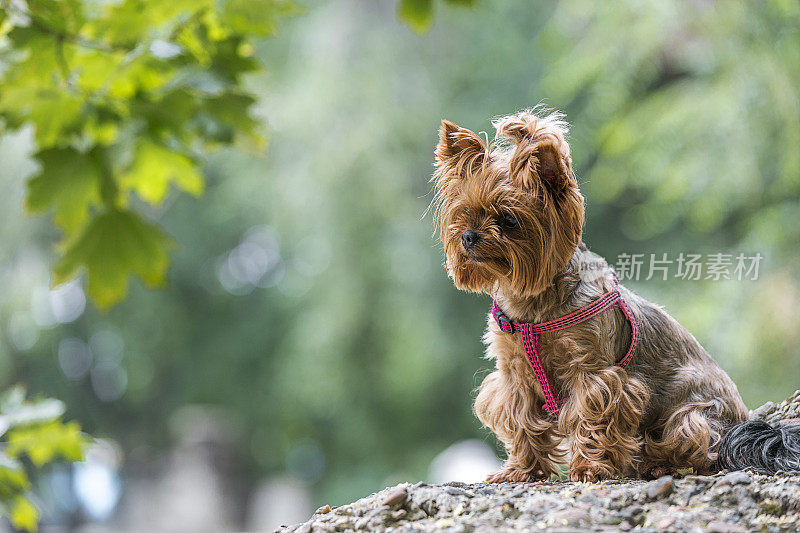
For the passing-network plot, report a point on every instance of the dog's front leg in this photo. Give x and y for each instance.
(514, 414)
(603, 415)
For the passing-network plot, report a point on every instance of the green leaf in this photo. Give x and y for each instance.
(37, 64)
(230, 114)
(155, 167)
(96, 67)
(231, 61)
(44, 443)
(24, 515)
(418, 14)
(69, 183)
(130, 21)
(113, 246)
(257, 17)
(34, 431)
(170, 114)
(34, 88)
(190, 39)
(143, 74)
(54, 113)
(142, 81)
(13, 479)
(60, 16)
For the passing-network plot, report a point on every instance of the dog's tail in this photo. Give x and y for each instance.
(763, 447)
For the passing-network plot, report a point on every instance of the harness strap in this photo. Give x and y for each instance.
(531, 331)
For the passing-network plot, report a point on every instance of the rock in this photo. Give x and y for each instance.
(665, 523)
(570, 517)
(395, 498)
(760, 413)
(429, 507)
(399, 514)
(786, 411)
(734, 478)
(702, 479)
(771, 506)
(718, 526)
(634, 515)
(659, 488)
(455, 491)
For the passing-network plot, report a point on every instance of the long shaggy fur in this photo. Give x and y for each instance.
(668, 409)
(758, 445)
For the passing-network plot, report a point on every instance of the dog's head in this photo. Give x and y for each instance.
(510, 214)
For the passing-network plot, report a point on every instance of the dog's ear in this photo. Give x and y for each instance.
(459, 149)
(548, 162)
(540, 152)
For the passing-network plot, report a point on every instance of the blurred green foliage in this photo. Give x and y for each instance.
(32, 435)
(127, 98)
(418, 14)
(306, 299)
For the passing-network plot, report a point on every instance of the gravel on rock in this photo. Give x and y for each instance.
(738, 501)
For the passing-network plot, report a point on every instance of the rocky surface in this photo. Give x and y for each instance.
(722, 503)
(788, 411)
(734, 502)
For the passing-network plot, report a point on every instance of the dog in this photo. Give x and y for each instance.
(578, 356)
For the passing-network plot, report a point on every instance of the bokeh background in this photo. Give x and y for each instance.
(309, 348)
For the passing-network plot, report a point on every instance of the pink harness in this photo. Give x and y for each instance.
(530, 338)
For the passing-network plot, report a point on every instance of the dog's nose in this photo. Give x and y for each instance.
(468, 239)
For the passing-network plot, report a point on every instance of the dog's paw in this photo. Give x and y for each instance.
(589, 475)
(661, 470)
(511, 475)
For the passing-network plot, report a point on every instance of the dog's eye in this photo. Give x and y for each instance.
(507, 221)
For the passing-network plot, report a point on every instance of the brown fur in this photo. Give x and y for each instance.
(667, 410)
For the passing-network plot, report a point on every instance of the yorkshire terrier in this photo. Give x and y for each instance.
(578, 356)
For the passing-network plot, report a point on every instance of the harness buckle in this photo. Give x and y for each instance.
(505, 324)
